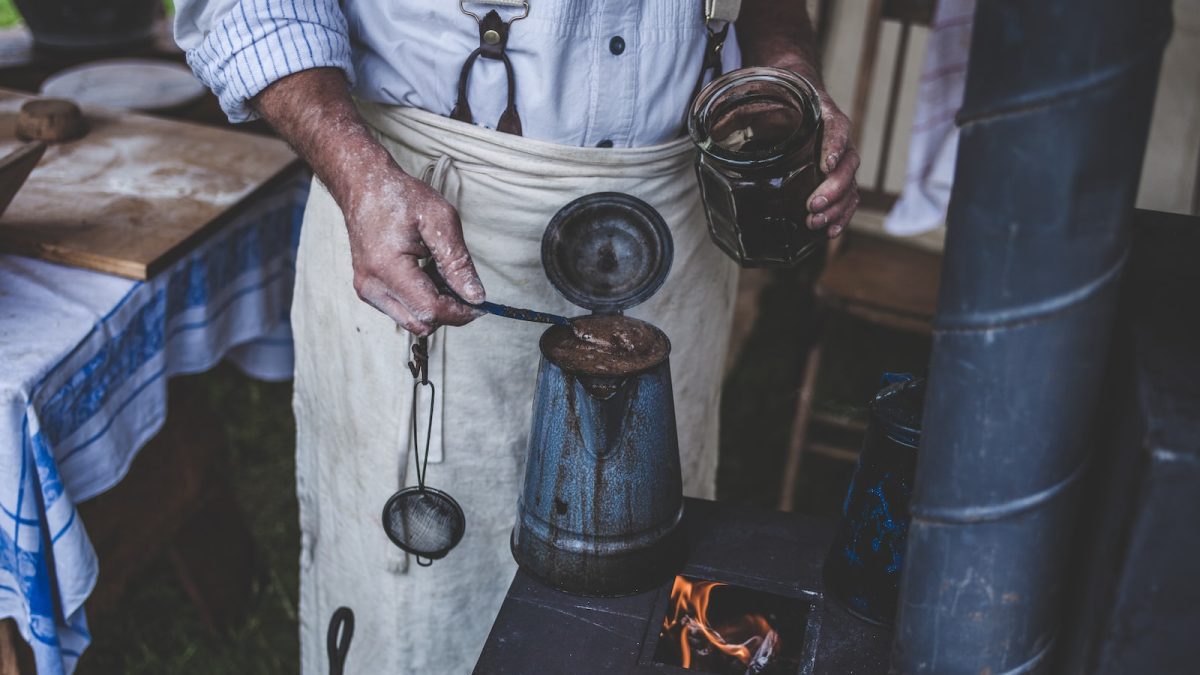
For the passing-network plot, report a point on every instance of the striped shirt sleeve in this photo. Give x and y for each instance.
(241, 48)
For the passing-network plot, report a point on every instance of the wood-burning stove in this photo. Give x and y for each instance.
(540, 630)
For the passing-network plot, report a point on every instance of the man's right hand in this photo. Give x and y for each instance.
(393, 219)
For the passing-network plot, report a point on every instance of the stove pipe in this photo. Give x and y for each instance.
(1054, 124)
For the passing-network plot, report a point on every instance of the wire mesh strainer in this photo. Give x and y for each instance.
(421, 520)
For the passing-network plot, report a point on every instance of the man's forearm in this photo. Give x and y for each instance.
(313, 111)
(392, 219)
(778, 33)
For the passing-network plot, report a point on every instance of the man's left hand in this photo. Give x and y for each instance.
(836, 198)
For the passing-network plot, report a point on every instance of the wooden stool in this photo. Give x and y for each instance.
(879, 280)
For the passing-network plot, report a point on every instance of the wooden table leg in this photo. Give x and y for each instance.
(799, 438)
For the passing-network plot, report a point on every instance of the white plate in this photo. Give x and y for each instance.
(126, 84)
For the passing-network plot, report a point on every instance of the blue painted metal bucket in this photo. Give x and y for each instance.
(600, 509)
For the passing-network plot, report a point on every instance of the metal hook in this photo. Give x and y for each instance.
(337, 639)
(462, 7)
(419, 365)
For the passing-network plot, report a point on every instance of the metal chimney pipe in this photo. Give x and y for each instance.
(1054, 125)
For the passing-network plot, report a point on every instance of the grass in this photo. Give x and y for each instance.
(157, 630)
(8, 14)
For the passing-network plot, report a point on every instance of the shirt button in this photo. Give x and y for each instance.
(616, 45)
(606, 143)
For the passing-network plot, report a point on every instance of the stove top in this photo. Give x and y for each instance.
(541, 630)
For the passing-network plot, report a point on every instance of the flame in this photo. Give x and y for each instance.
(740, 638)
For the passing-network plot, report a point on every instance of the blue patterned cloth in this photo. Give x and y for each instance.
(84, 359)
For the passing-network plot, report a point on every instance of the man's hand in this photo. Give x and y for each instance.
(834, 201)
(393, 219)
(779, 34)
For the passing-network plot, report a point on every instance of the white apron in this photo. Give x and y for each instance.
(353, 391)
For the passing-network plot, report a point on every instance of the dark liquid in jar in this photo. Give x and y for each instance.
(772, 217)
(769, 211)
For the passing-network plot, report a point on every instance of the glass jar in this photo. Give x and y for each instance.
(759, 135)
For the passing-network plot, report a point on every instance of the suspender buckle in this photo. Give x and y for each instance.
(721, 11)
(523, 4)
(493, 40)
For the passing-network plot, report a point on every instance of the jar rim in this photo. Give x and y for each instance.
(792, 83)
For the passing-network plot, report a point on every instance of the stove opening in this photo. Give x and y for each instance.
(714, 627)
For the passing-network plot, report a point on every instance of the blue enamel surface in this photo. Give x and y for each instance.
(602, 475)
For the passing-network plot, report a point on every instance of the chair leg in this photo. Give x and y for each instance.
(795, 454)
(751, 284)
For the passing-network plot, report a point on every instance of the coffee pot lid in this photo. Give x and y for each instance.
(607, 251)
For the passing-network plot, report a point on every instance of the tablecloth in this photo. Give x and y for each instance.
(84, 359)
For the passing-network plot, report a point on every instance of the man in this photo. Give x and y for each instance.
(600, 92)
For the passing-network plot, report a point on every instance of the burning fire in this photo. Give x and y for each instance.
(748, 638)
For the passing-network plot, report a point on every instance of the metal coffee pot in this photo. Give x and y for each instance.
(600, 509)
(866, 558)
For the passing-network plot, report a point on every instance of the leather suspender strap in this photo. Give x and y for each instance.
(493, 39)
(718, 16)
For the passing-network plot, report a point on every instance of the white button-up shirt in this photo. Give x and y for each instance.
(576, 82)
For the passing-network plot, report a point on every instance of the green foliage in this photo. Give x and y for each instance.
(9, 16)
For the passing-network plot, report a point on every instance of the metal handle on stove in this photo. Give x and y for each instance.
(337, 640)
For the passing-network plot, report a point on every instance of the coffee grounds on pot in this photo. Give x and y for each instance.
(606, 345)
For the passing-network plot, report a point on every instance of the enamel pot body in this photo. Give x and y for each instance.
(600, 509)
(866, 558)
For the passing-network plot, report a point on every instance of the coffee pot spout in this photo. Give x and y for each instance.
(602, 406)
